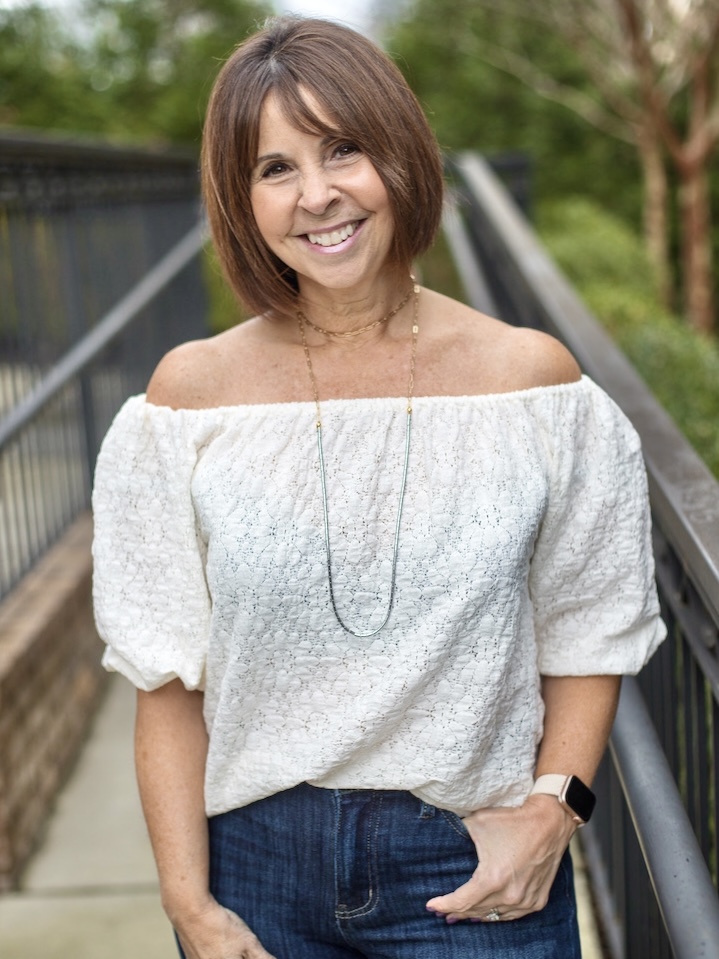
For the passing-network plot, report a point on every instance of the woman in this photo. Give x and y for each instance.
(374, 561)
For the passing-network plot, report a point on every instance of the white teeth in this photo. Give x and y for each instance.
(332, 239)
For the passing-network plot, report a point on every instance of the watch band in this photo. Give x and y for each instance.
(573, 796)
(550, 784)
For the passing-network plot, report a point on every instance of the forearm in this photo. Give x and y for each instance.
(579, 712)
(519, 848)
(170, 757)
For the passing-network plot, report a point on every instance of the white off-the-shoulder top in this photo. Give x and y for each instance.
(524, 550)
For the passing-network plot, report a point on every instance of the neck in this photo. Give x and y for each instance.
(344, 311)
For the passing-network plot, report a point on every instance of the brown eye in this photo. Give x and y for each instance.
(346, 150)
(274, 169)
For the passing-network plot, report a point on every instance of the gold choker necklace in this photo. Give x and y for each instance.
(362, 329)
(301, 319)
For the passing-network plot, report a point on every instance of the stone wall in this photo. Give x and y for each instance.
(50, 684)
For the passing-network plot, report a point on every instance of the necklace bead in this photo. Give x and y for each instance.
(301, 319)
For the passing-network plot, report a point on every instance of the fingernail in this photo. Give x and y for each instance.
(451, 921)
(475, 920)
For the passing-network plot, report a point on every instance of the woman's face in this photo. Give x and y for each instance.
(319, 205)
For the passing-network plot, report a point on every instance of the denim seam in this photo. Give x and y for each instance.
(451, 819)
(570, 921)
(426, 811)
(338, 822)
(371, 867)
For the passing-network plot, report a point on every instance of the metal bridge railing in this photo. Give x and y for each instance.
(81, 225)
(652, 847)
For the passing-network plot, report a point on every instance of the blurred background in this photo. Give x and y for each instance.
(601, 119)
(621, 135)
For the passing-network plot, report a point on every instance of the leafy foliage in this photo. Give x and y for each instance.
(446, 47)
(42, 82)
(224, 309)
(130, 69)
(606, 261)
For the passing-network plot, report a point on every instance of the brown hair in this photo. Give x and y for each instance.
(362, 96)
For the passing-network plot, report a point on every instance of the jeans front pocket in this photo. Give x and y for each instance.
(455, 821)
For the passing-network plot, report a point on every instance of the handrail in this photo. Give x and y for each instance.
(106, 330)
(671, 840)
(684, 890)
(57, 149)
(460, 245)
(683, 491)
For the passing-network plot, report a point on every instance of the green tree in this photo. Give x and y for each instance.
(445, 48)
(129, 69)
(655, 65)
(42, 83)
(644, 71)
(155, 60)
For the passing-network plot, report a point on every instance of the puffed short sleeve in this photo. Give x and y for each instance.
(592, 573)
(152, 606)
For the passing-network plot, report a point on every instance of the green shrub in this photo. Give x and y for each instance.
(224, 311)
(594, 246)
(436, 270)
(606, 262)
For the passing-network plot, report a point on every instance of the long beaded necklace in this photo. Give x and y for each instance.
(301, 319)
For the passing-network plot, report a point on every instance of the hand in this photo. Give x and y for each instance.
(519, 851)
(218, 933)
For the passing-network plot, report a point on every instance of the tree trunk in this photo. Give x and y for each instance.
(656, 211)
(696, 246)
(692, 162)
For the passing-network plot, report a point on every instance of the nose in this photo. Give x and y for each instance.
(317, 191)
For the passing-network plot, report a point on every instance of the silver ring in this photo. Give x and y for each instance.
(493, 916)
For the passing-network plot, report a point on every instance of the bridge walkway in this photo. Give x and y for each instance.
(90, 891)
(87, 888)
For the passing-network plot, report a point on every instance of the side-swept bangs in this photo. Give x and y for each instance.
(359, 95)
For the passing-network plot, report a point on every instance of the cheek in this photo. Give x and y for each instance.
(259, 214)
(267, 214)
(364, 184)
(375, 190)
(378, 199)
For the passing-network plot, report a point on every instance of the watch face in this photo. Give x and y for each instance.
(579, 798)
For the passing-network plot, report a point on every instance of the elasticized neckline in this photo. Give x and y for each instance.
(372, 402)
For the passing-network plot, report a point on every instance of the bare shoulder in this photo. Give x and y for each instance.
(539, 359)
(177, 378)
(490, 356)
(195, 375)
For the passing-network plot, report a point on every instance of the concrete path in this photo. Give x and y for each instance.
(90, 891)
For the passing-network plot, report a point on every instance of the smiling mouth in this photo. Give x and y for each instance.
(334, 237)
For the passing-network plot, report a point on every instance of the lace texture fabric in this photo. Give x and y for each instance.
(525, 550)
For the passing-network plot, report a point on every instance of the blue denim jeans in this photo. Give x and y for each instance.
(345, 874)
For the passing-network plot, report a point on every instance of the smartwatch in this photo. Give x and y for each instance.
(574, 797)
